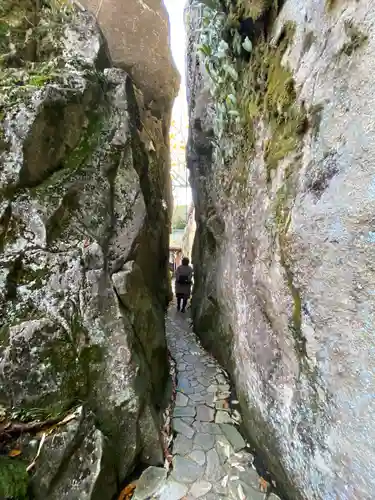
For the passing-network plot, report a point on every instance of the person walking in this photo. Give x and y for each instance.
(184, 275)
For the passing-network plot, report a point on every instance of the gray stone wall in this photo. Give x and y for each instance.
(284, 244)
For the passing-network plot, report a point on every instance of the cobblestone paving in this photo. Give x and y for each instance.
(210, 458)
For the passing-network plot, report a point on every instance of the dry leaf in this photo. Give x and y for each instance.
(127, 492)
(67, 419)
(14, 453)
(263, 485)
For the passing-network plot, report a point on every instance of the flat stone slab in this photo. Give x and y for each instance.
(184, 386)
(191, 358)
(173, 490)
(207, 427)
(243, 458)
(182, 427)
(184, 411)
(214, 470)
(204, 441)
(234, 437)
(200, 488)
(188, 420)
(210, 496)
(224, 448)
(199, 388)
(238, 490)
(198, 456)
(182, 445)
(198, 398)
(223, 417)
(185, 470)
(150, 483)
(181, 399)
(212, 388)
(205, 414)
(203, 381)
(223, 388)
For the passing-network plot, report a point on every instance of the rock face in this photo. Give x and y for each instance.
(189, 234)
(136, 45)
(84, 205)
(280, 155)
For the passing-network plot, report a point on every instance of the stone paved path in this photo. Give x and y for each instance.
(210, 458)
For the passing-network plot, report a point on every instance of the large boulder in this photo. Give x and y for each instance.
(136, 46)
(84, 226)
(280, 153)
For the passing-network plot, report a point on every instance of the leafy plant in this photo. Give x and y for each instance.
(217, 59)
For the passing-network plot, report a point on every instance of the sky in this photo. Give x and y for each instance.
(176, 17)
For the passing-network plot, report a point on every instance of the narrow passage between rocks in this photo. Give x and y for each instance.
(211, 460)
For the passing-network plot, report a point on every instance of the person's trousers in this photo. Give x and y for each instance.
(181, 299)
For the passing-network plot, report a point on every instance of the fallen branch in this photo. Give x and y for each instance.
(11, 429)
(38, 453)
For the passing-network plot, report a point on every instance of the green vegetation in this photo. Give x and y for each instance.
(356, 38)
(251, 90)
(330, 5)
(257, 91)
(72, 171)
(283, 218)
(179, 218)
(249, 8)
(13, 479)
(30, 45)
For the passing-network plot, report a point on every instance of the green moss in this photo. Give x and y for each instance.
(250, 8)
(22, 273)
(76, 159)
(14, 479)
(4, 336)
(30, 45)
(331, 4)
(283, 218)
(356, 38)
(18, 312)
(4, 226)
(72, 170)
(267, 92)
(285, 138)
(39, 80)
(34, 278)
(286, 118)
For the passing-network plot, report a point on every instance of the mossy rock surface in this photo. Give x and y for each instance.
(82, 195)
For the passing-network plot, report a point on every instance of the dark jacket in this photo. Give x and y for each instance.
(184, 288)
